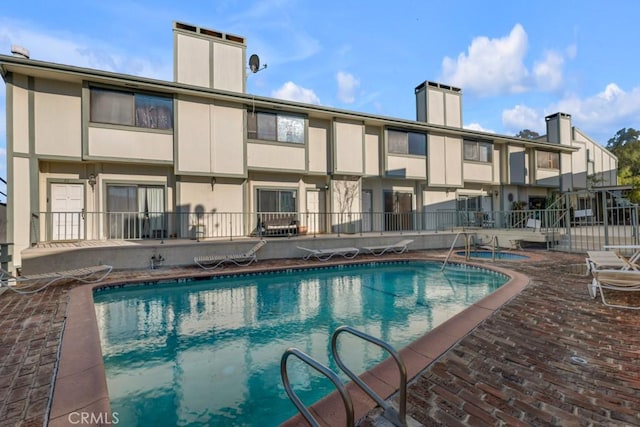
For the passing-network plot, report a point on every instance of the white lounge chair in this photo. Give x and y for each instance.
(617, 280)
(209, 262)
(397, 248)
(607, 260)
(23, 284)
(326, 254)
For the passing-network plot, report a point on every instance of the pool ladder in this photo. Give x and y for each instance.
(467, 247)
(397, 418)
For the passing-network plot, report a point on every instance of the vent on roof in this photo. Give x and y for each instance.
(20, 51)
(234, 38)
(211, 33)
(182, 26)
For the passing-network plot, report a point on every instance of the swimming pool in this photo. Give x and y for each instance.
(208, 352)
(489, 255)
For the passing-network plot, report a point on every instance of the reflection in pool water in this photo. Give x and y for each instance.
(208, 352)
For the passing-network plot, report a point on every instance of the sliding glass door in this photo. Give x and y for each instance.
(135, 212)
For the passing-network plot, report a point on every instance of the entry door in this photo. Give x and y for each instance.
(316, 211)
(367, 210)
(67, 203)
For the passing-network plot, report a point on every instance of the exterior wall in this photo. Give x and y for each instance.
(453, 110)
(57, 113)
(277, 156)
(410, 167)
(548, 177)
(372, 146)
(210, 138)
(20, 208)
(19, 109)
(478, 172)
(130, 145)
(435, 107)
(444, 161)
(228, 67)
(319, 134)
(195, 194)
(348, 147)
(599, 161)
(193, 60)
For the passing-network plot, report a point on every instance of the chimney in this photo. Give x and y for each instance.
(439, 104)
(208, 58)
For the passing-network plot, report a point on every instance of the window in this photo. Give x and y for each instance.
(136, 212)
(548, 160)
(276, 201)
(131, 109)
(275, 127)
(478, 151)
(401, 142)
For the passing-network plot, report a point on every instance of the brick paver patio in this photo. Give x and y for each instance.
(515, 368)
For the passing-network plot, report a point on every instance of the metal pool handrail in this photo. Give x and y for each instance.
(453, 244)
(389, 412)
(346, 398)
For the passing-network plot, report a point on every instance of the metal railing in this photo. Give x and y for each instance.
(397, 418)
(74, 226)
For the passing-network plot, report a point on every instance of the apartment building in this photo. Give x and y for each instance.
(100, 155)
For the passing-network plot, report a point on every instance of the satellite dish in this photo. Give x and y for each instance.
(254, 63)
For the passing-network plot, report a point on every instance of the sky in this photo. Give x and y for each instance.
(516, 62)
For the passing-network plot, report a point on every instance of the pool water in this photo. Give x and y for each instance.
(208, 352)
(489, 255)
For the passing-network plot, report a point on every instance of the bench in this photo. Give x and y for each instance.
(278, 225)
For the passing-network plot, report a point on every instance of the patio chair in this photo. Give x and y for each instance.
(209, 262)
(18, 284)
(326, 254)
(607, 260)
(617, 280)
(397, 248)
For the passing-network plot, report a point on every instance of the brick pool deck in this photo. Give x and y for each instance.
(514, 368)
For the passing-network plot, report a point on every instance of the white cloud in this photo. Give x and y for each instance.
(611, 107)
(74, 49)
(478, 127)
(491, 66)
(292, 92)
(572, 51)
(347, 85)
(522, 117)
(548, 72)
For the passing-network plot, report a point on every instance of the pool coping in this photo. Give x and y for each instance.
(80, 385)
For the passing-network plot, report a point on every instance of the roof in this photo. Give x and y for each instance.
(36, 68)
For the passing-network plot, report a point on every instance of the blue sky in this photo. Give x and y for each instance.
(516, 62)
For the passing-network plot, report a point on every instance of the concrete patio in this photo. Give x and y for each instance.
(518, 367)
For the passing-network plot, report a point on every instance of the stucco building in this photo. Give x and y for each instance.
(100, 155)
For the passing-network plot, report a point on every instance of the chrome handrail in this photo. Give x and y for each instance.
(346, 398)
(453, 244)
(389, 412)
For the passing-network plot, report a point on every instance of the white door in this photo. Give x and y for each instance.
(67, 203)
(315, 211)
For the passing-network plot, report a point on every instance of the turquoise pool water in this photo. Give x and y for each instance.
(208, 352)
(489, 255)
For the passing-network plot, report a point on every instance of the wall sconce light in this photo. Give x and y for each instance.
(496, 192)
(92, 181)
(213, 182)
(326, 186)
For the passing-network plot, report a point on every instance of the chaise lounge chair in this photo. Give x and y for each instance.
(210, 262)
(617, 280)
(91, 274)
(607, 260)
(397, 248)
(326, 254)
